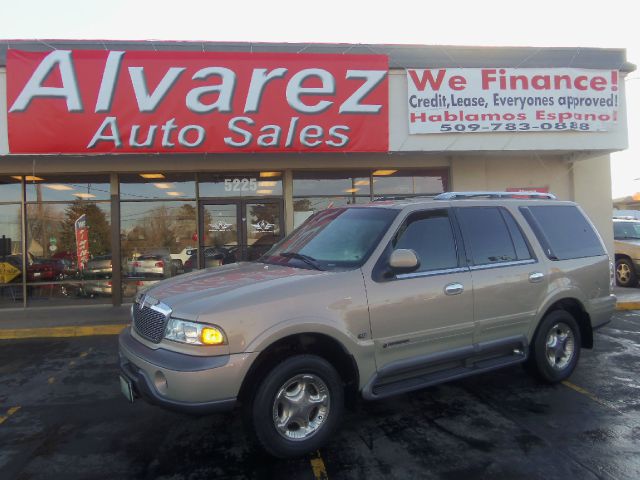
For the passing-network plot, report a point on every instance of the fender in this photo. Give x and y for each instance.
(554, 296)
(361, 350)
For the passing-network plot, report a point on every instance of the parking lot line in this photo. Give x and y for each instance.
(589, 395)
(11, 411)
(59, 332)
(317, 465)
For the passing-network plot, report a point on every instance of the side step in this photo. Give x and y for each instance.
(413, 374)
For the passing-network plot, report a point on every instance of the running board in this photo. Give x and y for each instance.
(428, 370)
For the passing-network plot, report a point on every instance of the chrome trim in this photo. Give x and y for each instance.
(486, 266)
(432, 273)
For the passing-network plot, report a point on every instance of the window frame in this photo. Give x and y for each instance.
(380, 272)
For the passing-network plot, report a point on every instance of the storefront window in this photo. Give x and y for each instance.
(10, 189)
(10, 255)
(67, 188)
(316, 191)
(303, 208)
(68, 252)
(157, 186)
(158, 241)
(408, 182)
(330, 183)
(253, 184)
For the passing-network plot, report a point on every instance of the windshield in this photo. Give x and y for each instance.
(333, 239)
(622, 230)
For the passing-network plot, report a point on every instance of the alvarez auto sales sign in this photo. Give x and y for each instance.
(85, 101)
(452, 100)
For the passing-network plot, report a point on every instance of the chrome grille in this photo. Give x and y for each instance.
(149, 322)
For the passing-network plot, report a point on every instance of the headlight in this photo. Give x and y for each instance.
(194, 333)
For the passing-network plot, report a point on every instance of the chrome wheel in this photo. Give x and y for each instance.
(301, 407)
(560, 346)
(623, 272)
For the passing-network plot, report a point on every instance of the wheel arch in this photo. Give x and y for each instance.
(315, 343)
(576, 308)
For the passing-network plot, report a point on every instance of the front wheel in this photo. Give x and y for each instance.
(555, 350)
(297, 406)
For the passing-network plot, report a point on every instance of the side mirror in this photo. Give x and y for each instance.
(404, 260)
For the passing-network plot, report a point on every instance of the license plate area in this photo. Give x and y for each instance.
(126, 388)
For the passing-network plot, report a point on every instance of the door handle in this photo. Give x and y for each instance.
(453, 289)
(536, 277)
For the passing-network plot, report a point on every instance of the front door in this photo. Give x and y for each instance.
(238, 230)
(427, 311)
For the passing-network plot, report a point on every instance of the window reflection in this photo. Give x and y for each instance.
(67, 188)
(303, 208)
(157, 186)
(409, 182)
(157, 240)
(330, 183)
(65, 242)
(10, 256)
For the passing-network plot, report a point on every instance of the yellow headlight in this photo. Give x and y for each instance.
(211, 336)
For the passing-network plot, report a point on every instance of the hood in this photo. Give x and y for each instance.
(628, 241)
(212, 282)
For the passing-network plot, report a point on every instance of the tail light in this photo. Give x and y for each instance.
(109, 283)
(160, 264)
(135, 264)
(139, 283)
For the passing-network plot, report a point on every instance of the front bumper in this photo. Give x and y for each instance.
(180, 382)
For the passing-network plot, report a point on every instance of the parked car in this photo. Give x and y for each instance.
(373, 301)
(213, 257)
(151, 264)
(626, 234)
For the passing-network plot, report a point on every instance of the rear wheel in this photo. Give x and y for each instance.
(625, 273)
(297, 406)
(555, 350)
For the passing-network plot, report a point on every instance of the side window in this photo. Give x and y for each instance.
(430, 235)
(563, 231)
(492, 235)
(520, 244)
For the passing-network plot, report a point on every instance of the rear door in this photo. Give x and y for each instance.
(509, 282)
(429, 310)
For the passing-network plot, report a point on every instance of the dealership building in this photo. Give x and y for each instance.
(123, 163)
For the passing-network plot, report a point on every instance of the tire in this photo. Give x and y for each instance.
(626, 273)
(279, 393)
(555, 350)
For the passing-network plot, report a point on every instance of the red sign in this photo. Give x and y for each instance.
(82, 241)
(84, 101)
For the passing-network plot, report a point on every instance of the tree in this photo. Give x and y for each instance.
(97, 223)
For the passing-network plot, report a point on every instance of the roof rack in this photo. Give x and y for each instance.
(462, 195)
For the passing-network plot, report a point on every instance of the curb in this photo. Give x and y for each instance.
(61, 332)
(628, 306)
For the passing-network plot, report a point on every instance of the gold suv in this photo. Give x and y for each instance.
(372, 301)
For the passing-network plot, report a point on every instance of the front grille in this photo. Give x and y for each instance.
(149, 323)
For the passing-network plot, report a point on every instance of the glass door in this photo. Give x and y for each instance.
(263, 227)
(221, 242)
(238, 230)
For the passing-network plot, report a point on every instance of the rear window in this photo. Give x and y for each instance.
(563, 231)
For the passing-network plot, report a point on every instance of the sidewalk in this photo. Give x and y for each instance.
(628, 298)
(63, 321)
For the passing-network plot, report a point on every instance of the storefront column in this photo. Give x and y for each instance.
(287, 193)
(592, 191)
(116, 262)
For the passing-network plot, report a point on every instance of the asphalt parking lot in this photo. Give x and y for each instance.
(62, 416)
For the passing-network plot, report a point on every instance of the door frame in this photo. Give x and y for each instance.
(240, 204)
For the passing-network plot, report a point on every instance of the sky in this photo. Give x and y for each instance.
(544, 23)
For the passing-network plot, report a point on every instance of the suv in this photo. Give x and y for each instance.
(372, 301)
(626, 234)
